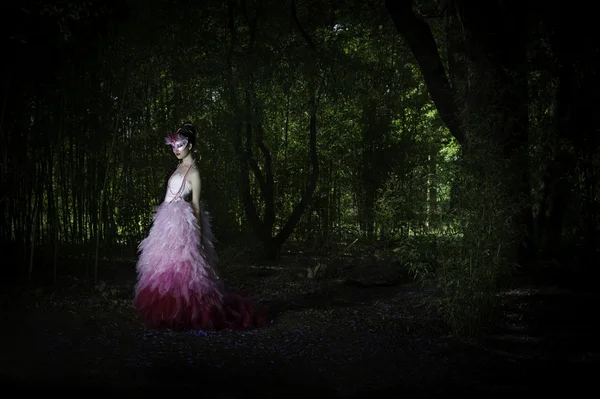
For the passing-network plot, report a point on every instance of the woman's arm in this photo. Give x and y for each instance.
(194, 178)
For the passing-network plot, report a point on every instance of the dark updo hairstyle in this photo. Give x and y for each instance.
(188, 131)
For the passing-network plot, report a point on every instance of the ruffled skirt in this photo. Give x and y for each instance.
(177, 285)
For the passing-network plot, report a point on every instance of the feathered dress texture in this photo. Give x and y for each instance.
(177, 285)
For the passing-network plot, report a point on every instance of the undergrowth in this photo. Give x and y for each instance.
(465, 264)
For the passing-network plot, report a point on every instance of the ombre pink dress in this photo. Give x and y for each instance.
(177, 285)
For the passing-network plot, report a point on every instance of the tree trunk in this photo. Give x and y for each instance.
(498, 97)
(495, 107)
(263, 228)
(432, 211)
(421, 42)
(34, 227)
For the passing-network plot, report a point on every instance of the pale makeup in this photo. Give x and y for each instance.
(177, 142)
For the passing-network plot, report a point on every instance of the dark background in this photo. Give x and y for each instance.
(446, 146)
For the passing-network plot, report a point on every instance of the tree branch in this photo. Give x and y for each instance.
(269, 193)
(304, 34)
(252, 161)
(419, 38)
(299, 209)
(249, 207)
(252, 22)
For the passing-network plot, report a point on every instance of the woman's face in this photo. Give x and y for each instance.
(182, 151)
(180, 145)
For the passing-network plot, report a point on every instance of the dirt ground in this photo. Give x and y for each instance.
(366, 334)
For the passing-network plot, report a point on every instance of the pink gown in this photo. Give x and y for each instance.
(177, 285)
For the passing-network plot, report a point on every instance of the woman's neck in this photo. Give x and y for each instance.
(187, 161)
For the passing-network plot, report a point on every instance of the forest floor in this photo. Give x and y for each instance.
(365, 334)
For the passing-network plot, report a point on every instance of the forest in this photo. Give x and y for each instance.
(450, 144)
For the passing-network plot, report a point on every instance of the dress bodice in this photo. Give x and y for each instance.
(177, 188)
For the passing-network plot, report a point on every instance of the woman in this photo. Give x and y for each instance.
(177, 285)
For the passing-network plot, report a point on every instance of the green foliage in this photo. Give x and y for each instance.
(466, 261)
(98, 120)
(388, 167)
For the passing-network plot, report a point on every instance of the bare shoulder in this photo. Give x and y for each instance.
(193, 174)
(194, 171)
